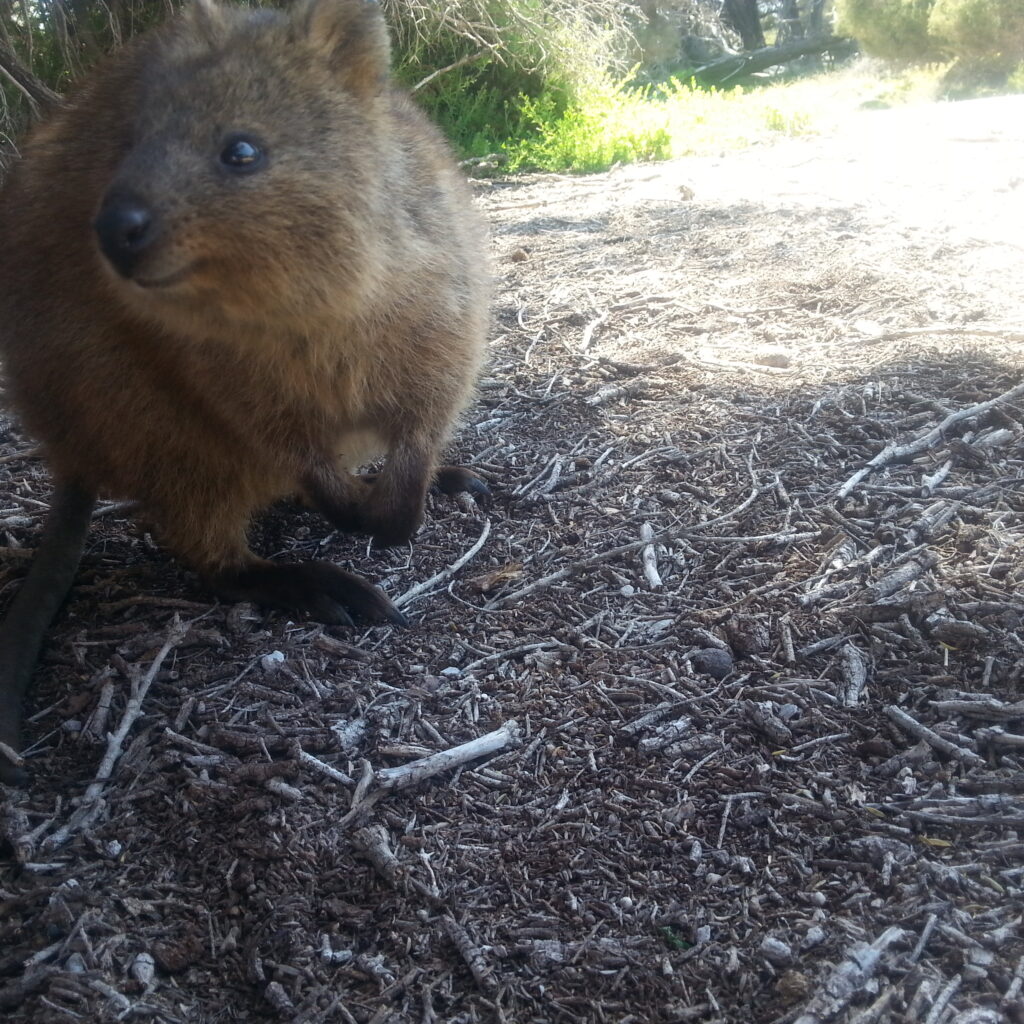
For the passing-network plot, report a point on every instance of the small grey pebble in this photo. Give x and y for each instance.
(775, 951)
(75, 964)
(272, 662)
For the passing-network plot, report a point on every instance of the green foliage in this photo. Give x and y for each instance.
(786, 122)
(478, 109)
(604, 125)
(985, 36)
(674, 940)
(614, 122)
(894, 29)
(983, 31)
(497, 51)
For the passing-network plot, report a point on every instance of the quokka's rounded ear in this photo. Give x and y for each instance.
(352, 36)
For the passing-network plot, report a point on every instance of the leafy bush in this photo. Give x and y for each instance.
(605, 124)
(895, 29)
(980, 34)
(470, 60)
(980, 31)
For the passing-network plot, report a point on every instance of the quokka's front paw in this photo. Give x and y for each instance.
(458, 480)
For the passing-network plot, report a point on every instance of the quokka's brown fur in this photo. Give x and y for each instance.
(205, 336)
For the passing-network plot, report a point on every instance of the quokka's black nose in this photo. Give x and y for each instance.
(124, 228)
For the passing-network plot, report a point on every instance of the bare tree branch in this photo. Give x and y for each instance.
(40, 97)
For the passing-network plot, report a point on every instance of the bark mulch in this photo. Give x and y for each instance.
(740, 638)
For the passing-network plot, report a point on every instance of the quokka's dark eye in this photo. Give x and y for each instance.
(241, 155)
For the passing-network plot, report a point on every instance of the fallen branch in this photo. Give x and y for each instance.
(855, 672)
(997, 737)
(933, 519)
(916, 332)
(470, 952)
(92, 803)
(988, 709)
(406, 775)
(736, 65)
(926, 934)
(421, 588)
(372, 842)
(662, 537)
(513, 652)
(592, 327)
(324, 769)
(942, 1000)
(911, 725)
(650, 557)
(895, 581)
(612, 393)
(901, 452)
(849, 978)
(1013, 992)
(16, 992)
(1014, 821)
(584, 563)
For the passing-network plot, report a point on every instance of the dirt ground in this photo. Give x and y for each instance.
(766, 763)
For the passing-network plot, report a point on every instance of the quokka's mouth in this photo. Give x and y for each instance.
(167, 281)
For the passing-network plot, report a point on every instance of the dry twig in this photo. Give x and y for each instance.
(406, 775)
(901, 452)
(422, 588)
(91, 803)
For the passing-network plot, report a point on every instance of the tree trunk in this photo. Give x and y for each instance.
(659, 42)
(730, 68)
(816, 18)
(743, 16)
(790, 26)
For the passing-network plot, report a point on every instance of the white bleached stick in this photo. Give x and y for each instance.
(410, 774)
(421, 588)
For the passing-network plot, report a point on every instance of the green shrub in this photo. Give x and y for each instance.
(604, 124)
(980, 31)
(496, 51)
(894, 29)
(617, 122)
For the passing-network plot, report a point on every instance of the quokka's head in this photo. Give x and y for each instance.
(248, 186)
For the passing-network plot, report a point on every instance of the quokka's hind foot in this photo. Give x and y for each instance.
(318, 590)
